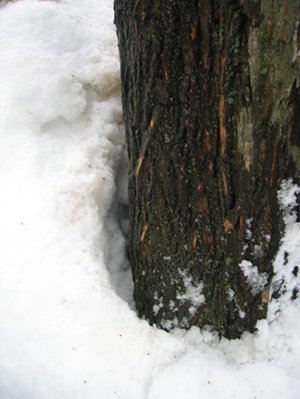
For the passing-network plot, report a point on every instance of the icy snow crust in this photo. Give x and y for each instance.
(66, 329)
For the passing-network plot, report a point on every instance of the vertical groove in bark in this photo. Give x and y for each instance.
(211, 104)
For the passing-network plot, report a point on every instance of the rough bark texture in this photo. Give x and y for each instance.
(211, 104)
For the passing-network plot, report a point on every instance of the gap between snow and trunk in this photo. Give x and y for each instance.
(117, 228)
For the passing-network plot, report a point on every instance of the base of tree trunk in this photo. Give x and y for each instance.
(211, 106)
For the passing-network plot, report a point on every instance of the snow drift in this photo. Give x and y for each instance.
(67, 328)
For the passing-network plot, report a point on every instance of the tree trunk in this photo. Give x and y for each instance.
(211, 107)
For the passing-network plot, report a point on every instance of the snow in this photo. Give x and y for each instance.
(257, 281)
(192, 293)
(67, 325)
(286, 282)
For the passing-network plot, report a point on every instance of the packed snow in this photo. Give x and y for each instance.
(68, 328)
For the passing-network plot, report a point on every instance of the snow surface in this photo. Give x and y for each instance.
(67, 328)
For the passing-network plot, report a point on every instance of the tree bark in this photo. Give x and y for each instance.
(211, 97)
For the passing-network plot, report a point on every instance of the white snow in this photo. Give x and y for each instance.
(67, 328)
(192, 293)
(255, 280)
(286, 282)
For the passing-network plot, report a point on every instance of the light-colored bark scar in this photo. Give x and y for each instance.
(144, 232)
(139, 164)
(245, 137)
(194, 240)
(228, 226)
(146, 141)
